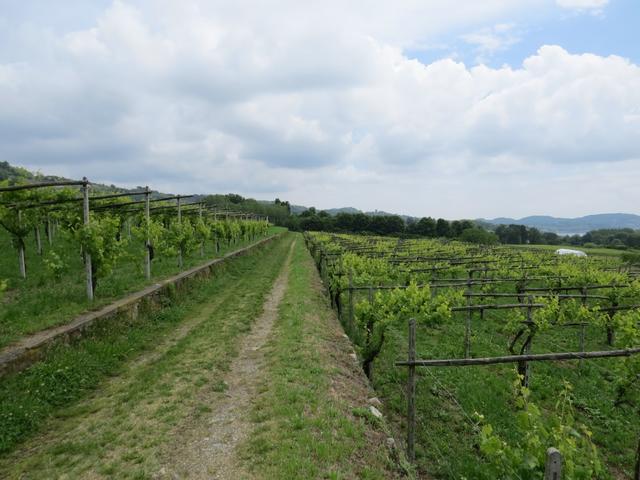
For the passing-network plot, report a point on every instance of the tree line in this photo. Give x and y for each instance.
(466, 230)
(611, 237)
(392, 225)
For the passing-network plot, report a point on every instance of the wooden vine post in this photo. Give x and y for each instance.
(583, 327)
(87, 255)
(351, 319)
(467, 327)
(526, 368)
(411, 393)
(611, 336)
(147, 218)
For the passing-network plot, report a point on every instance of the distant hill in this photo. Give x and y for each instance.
(572, 226)
(9, 172)
(335, 211)
(297, 209)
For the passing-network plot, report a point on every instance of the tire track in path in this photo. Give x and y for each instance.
(208, 450)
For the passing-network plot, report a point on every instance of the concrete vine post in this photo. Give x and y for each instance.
(87, 255)
(215, 219)
(38, 240)
(636, 471)
(147, 218)
(553, 465)
(179, 223)
(201, 243)
(23, 265)
(48, 228)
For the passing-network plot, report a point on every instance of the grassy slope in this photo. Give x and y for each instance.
(164, 366)
(310, 418)
(42, 301)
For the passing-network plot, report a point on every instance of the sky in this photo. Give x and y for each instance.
(482, 109)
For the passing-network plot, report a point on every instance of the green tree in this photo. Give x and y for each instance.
(479, 235)
(443, 229)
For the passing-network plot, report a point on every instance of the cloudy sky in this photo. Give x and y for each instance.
(483, 109)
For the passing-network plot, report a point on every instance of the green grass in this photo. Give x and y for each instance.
(41, 300)
(106, 403)
(302, 430)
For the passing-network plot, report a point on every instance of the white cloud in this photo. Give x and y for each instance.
(490, 40)
(320, 105)
(592, 7)
(582, 4)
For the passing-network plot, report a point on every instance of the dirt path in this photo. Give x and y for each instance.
(208, 450)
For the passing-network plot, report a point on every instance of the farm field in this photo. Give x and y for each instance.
(255, 372)
(478, 421)
(258, 342)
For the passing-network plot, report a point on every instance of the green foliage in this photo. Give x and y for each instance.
(627, 326)
(100, 238)
(379, 326)
(181, 237)
(632, 258)
(396, 308)
(525, 457)
(155, 231)
(54, 264)
(202, 231)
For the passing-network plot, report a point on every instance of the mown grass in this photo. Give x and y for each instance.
(43, 300)
(116, 427)
(302, 430)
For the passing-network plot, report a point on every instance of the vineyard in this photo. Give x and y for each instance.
(492, 361)
(66, 249)
(490, 356)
